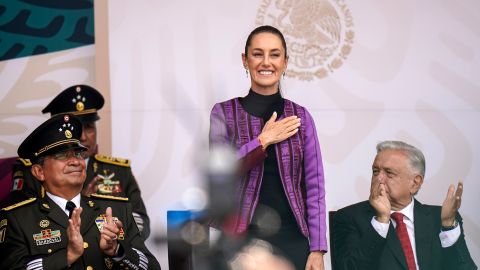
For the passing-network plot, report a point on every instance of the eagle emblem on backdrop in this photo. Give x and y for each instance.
(319, 34)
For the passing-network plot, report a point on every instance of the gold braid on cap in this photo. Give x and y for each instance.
(84, 112)
(50, 146)
(78, 112)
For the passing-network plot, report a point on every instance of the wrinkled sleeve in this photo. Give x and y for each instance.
(249, 154)
(457, 255)
(315, 187)
(354, 247)
(138, 206)
(136, 255)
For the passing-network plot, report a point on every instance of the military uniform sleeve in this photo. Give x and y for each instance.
(136, 255)
(138, 207)
(11, 243)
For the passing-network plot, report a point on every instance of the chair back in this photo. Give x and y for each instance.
(331, 215)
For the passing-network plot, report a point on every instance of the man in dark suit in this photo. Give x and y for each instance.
(392, 230)
(105, 175)
(62, 228)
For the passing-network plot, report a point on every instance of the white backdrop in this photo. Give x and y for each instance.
(411, 75)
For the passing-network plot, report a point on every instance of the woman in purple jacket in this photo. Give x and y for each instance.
(281, 196)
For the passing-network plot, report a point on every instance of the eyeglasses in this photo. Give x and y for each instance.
(65, 155)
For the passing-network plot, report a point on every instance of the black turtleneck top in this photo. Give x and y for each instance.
(272, 193)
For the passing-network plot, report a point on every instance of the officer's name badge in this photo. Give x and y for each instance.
(102, 219)
(47, 237)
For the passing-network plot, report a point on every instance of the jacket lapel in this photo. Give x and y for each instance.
(395, 246)
(423, 235)
(53, 211)
(393, 243)
(90, 211)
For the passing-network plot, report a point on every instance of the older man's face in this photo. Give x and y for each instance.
(62, 173)
(89, 137)
(392, 168)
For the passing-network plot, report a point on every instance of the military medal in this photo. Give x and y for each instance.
(44, 223)
(47, 237)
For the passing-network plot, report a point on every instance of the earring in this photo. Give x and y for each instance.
(284, 74)
(246, 71)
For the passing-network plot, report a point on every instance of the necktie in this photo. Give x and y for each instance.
(402, 234)
(70, 206)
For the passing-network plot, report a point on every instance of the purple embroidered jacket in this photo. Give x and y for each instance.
(299, 161)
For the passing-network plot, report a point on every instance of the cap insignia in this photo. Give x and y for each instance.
(79, 102)
(68, 134)
(68, 130)
(80, 106)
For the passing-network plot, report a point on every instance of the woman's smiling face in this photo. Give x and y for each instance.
(266, 61)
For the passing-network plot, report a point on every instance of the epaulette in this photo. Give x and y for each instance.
(115, 198)
(113, 160)
(25, 161)
(13, 206)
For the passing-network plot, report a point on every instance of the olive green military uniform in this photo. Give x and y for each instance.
(115, 178)
(34, 235)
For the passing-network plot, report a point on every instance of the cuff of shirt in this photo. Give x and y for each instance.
(119, 253)
(381, 228)
(448, 238)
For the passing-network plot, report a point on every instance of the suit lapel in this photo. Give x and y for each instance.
(423, 235)
(395, 246)
(392, 241)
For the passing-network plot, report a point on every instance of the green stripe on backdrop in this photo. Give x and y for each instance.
(31, 27)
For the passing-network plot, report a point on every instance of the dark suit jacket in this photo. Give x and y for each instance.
(357, 246)
(38, 230)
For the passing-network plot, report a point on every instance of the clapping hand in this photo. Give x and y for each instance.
(451, 204)
(75, 238)
(109, 234)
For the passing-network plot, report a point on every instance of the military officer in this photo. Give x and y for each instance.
(62, 228)
(105, 175)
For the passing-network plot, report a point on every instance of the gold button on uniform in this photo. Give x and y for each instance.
(89, 268)
(85, 245)
(49, 250)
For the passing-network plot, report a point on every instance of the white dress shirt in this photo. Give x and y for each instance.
(447, 238)
(62, 203)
